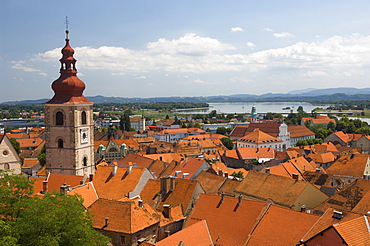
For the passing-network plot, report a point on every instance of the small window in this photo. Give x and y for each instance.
(123, 240)
(85, 161)
(59, 119)
(83, 118)
(5, 153)
(60, 143)
(6, 166)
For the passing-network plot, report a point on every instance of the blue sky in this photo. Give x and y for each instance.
(185, 48)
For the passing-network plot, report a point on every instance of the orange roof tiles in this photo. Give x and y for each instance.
(204, 136)
(123, 217)
(31, 163)
(229, 153)
(355, 231)
(182, 130)
(239, 131)
(281, 226)
(252, 153)
(117, 186)
(87, 192)
(140, 161)
(259, 137)
(322, 158)
(268, 128)
(196, 234)
(229, 219)
(29, 142)
(210, 182)
(299, 131)
(350, 165)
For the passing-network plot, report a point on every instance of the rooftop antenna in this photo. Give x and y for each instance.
(67, 24)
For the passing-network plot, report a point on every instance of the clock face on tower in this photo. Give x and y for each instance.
(84, 136)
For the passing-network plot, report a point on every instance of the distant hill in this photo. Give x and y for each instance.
(307, 95)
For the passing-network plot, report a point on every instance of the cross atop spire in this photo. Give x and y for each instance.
(67, 24)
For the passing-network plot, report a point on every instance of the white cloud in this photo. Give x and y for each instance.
(43, 74)
(314, 74)
(119, 74)
(266, 29)
(241, 80)
(237, 29)
(283, 35)
(199, 81)
(20, 65)
(250, 45)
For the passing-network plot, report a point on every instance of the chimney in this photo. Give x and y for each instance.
(184, 175)
(303, 208)
(177, 173)
(160, 158)
(318, 170)
(220, 172)
(240, 200)
(295, 176)
(166, 233)
(226, 174)
(166, 210)
(44, 186)
(114, 170)
(63, 189)
(337, 215)
(222, 197)
(106, 222)
(129, 169)
(267, 170)
(353, 155)
(91, 176)
(140, 203)
(81, 182)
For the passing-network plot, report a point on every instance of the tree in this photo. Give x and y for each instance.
(52, 219)
(16, 145)
(208, 130)
(221, 130)
(238, 174)
(213, 113)
(167, 117)
(124, 123)
(300, 108)
(42, 156)
(227, 142)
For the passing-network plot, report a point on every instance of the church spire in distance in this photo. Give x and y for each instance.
(68, 88)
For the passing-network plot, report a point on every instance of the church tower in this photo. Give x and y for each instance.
(69, 122)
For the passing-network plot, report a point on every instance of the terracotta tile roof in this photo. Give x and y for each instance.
(31, 163)
(196, 234)
(317, 178)
(281, 226)
(190, 166)
(138, 160)
(210, 183)
(259, 153)
(229, 187)
(295, 152)
(350, 165)
(182, 130)
(284, 169)
(181, 195)
(327, 220)
(363, 206)
(330, 147)
(204, 136)
(299, 131)
(322, 158)
(303, 165)
(117, 186)
(29, 142)
(37, 184)
(259, 137)
(16, 136)
(280, 155)
(166, 157)
(268, 128)
(355, 231)
(218, 167)
(87, 192)
(229, 153)
(344, 150)
(281, 190)
(348, 198)
(42, 171)
(236, 170)
(229, 219)
(239, 131)
(188, 148)
(175, 214)
(123, 217)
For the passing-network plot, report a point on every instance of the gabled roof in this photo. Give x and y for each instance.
(123, 217)
(348, 198)
(229, 219)
(281, 190)
(196, 234)
(204, 136)
(87, 192)
(182, 130)
(229, 153)
(259, 137)
(138, 160)
(355, 231)
(190, 166)
(253, 153)
(210, 183)
(318, 178)
(181, 194)
(29, 142)
(166, 157)
(350, 165)
(268, 128)
(299, 131)
(117, 186)
(285, 169)
(327, 220)
(239, 131)
(228, 188)
(322, 158)
(281, 226)
(30, 163)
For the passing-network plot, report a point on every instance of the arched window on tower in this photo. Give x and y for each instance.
(60, 143)
(83, 118)
(59, 119)
(85, 161)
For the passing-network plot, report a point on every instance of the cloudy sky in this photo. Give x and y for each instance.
(185, 48)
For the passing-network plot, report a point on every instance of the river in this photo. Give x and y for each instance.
(261, 107)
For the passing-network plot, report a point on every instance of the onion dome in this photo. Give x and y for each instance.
(68, 88)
